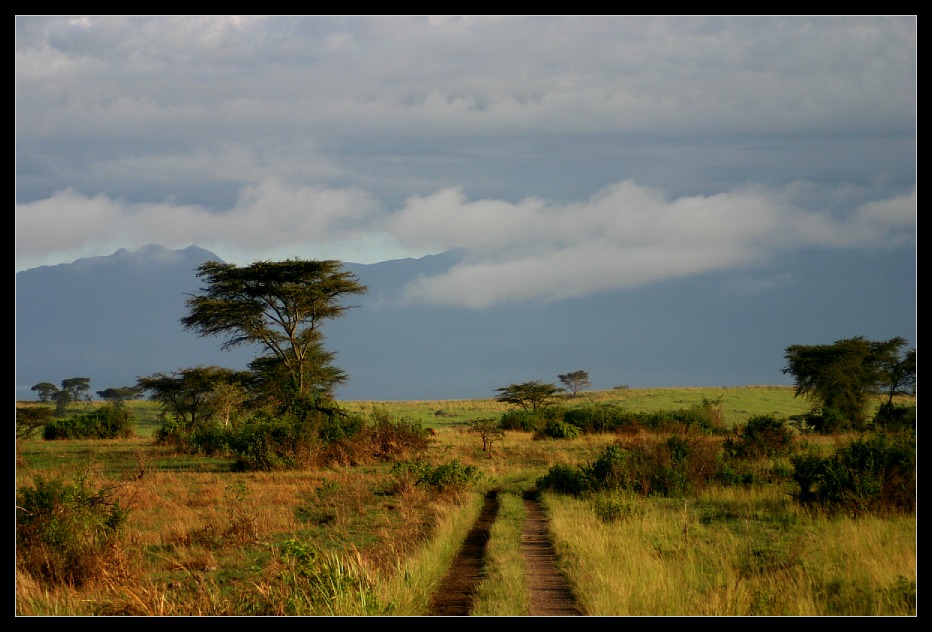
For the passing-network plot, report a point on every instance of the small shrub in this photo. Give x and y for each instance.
(311, 581)
(449, 477)
(614, 507)
(211, 439)
(557, 429)
(565, 479)
(706, 416)
(67, 533)
(389, 439)
(489, 431)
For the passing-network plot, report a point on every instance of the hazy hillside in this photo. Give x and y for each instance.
(115, 318)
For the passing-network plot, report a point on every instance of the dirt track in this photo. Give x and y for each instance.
(550, 595)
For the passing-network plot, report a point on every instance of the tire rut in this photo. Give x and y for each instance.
(457, 591)
(549, 593)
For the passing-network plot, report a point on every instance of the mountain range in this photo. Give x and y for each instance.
(115, 318)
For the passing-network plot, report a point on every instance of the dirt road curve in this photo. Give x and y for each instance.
(550, 595)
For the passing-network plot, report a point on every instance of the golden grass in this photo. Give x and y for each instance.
(735, 553)
(203, 540)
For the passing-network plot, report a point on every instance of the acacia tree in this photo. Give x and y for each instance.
(45, 390)
(843, 376)
(75, 386)
(575, 381)
(279, 306)
(530, 396)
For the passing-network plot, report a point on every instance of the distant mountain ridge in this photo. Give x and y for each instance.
(115, 318)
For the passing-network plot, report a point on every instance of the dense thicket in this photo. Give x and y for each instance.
(106, 422)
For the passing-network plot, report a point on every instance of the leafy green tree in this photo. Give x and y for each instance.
(530, 396)
(575, 381)
(187, 394)
(45, 391)
(279, 306)
(75, 386)
(840, 378)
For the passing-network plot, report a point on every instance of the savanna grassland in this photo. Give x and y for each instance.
(370, 537)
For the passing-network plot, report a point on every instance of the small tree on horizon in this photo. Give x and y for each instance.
(575, 381)
(531, 396)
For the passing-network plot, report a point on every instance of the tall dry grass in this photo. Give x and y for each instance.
(734, 552)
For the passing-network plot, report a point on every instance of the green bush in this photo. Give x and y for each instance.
(707, 417)
(674, 467)
(380, 438)
(566, 479)
(105, 422)
(827, 420)
(209, 438)
(762, 435)
(67, 533)
(451, 476)
(602, 418)
(280, 443)
(557, 429)
(874, 474)
(530, 421)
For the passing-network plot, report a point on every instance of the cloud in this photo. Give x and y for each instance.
(564, 155)
(269, 215)
(623, 237)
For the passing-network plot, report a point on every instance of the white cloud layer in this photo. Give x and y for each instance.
(623, 236)
(563, 154)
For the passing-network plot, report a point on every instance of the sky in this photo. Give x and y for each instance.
(562, 155)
